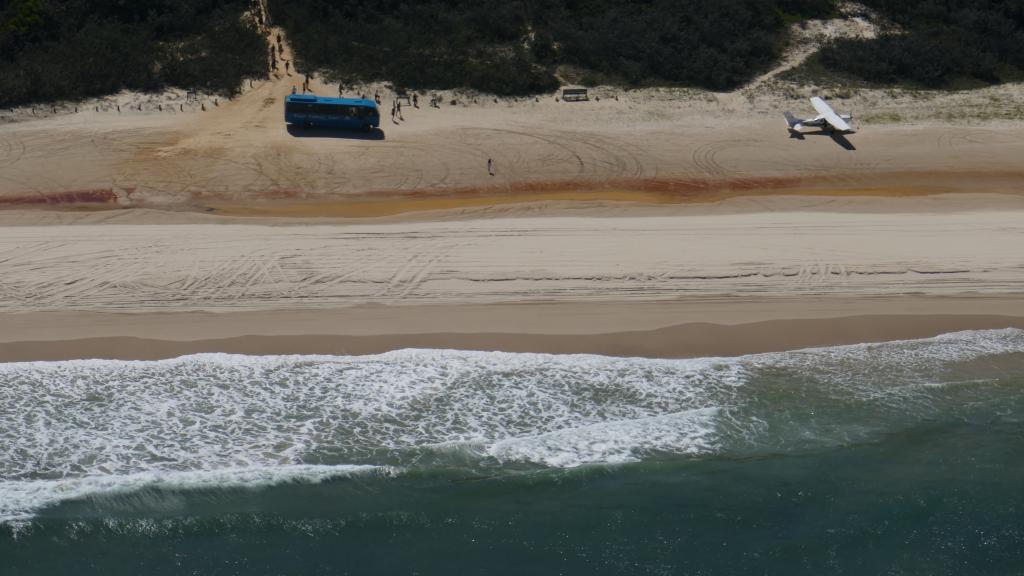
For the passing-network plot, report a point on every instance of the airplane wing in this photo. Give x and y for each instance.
(829, 114)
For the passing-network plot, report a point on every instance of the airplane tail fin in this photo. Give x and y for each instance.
(791, 120)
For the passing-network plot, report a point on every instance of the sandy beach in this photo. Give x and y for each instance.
(668, 285)
(655, 147)
(656, 222)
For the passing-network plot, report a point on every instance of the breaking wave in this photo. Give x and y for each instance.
(78, 429)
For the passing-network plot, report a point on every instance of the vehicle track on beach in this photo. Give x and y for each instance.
(966, 138)
(561, 154)
(706, 157)
(558, 154)
(12, 148)
(121, 268)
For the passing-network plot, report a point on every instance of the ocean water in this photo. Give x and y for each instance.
(894, 458)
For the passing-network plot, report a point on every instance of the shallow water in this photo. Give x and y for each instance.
(900, 457)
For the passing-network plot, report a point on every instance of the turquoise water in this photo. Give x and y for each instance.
(895, 458)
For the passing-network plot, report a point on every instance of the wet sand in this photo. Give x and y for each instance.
(648, 329)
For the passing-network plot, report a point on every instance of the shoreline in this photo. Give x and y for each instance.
(643, 329)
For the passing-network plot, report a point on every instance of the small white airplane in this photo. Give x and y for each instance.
(826, 122)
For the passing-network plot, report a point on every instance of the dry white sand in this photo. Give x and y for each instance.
(145, 268)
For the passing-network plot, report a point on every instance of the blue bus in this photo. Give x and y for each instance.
(309, 110)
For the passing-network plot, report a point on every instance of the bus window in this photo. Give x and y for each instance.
(298, 108)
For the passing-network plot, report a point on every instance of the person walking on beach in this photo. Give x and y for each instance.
(398, 105)
(490, 166)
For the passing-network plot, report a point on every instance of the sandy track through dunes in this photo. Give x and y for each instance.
(131, 268)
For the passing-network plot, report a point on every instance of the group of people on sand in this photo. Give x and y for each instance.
(396, 113)
(396, 107)
(279, 51)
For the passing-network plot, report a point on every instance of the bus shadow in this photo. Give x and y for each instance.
(300, 132)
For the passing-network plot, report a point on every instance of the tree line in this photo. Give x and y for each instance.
(515, 47)
(73, 49)
(937, 43)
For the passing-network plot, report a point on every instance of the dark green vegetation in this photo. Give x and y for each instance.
(70, 49)
(940, 43)
(515, 46)
(55, 49)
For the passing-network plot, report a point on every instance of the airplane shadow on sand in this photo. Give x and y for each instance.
(300, 132)
(835, 136)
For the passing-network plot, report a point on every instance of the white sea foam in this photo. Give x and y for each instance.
(894, 370)
(615, 442)
(19, 498)
(82, 427)
(214, 411)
